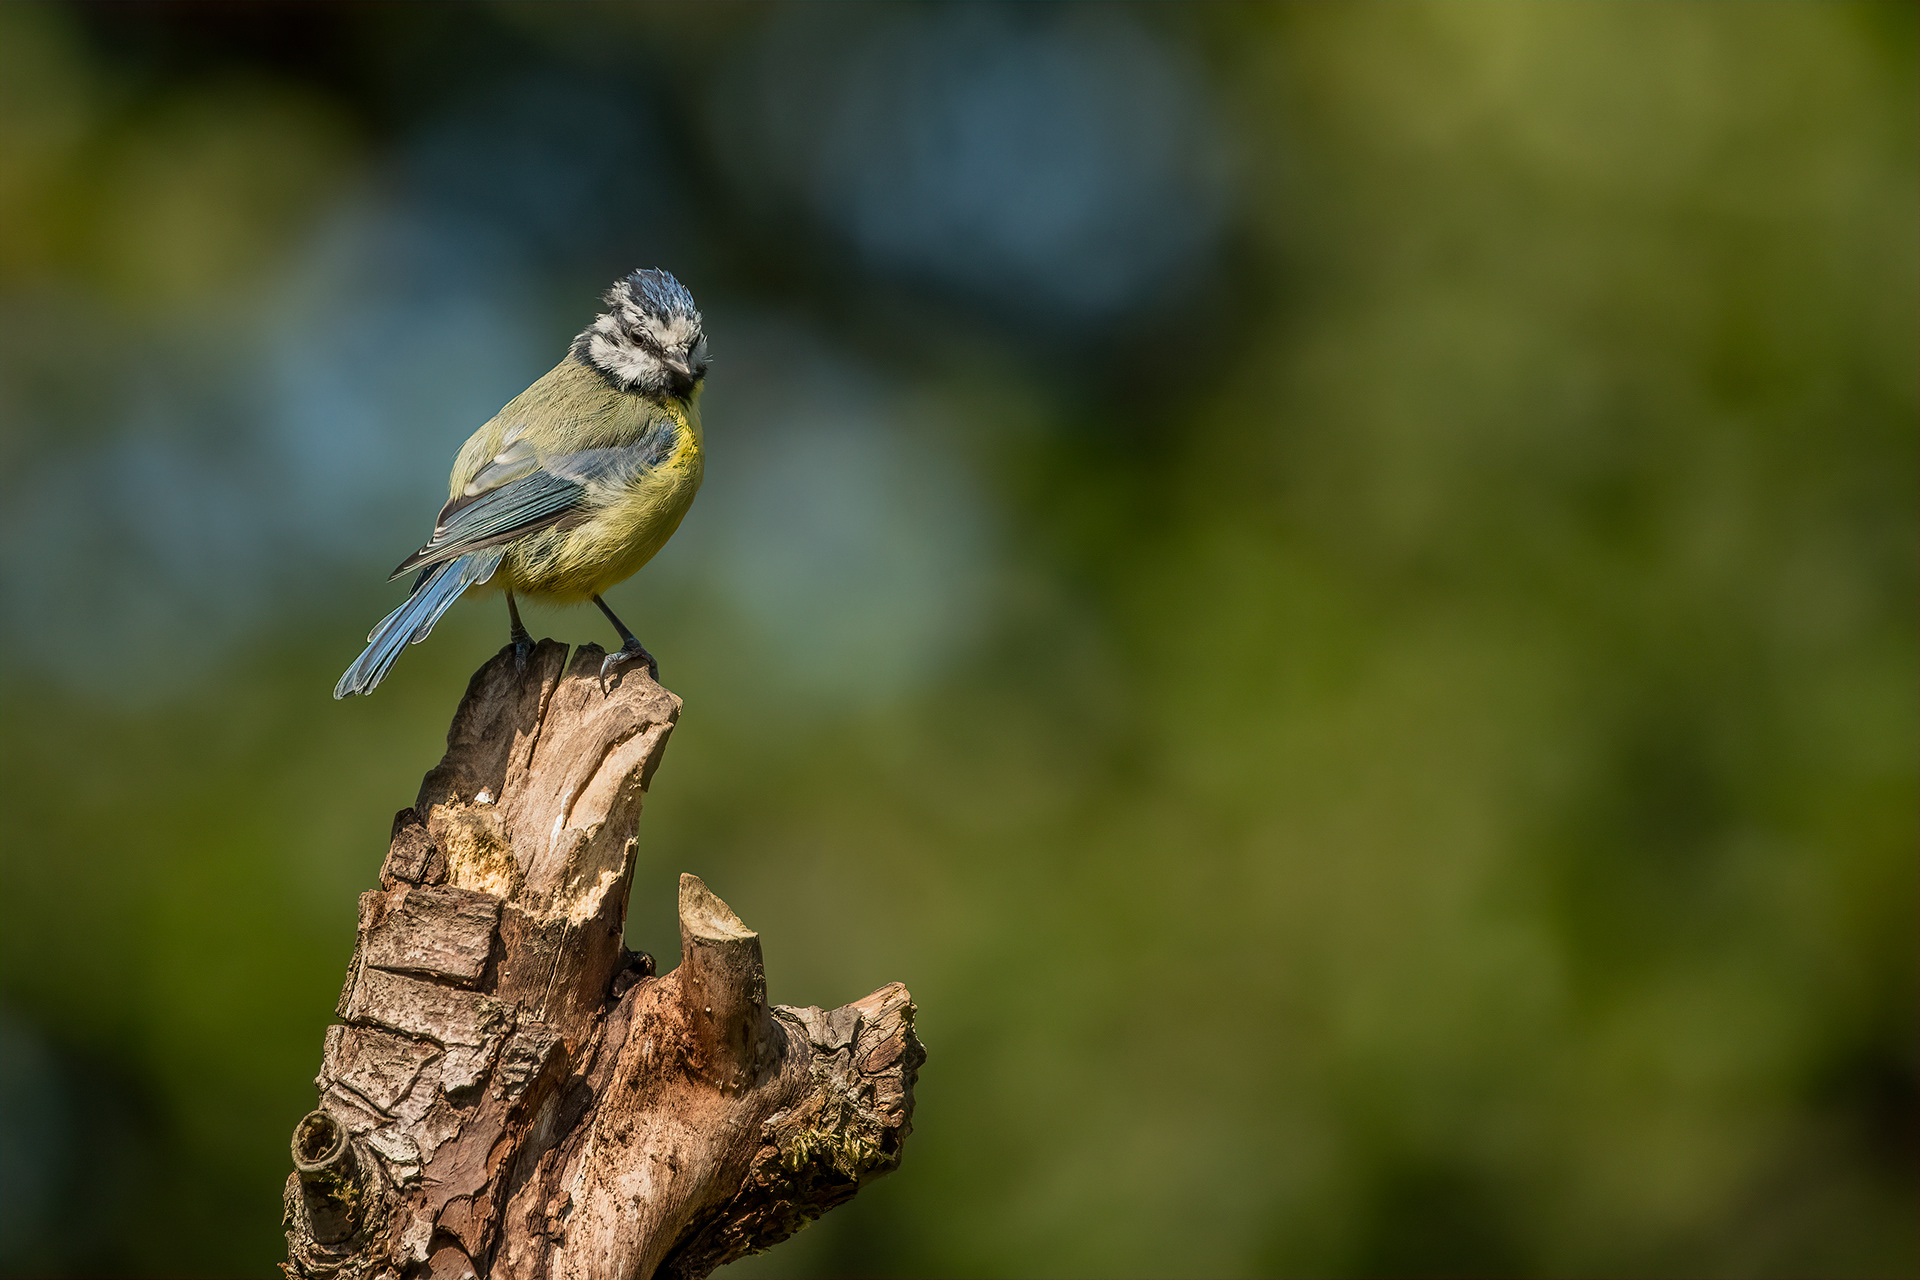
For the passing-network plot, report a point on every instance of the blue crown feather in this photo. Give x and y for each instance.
(656, 292)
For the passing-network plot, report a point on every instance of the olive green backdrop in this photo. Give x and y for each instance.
(1332, 587)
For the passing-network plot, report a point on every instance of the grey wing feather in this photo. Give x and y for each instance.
(499, 515)
(517, 459)
(557, 493)
(621, 464)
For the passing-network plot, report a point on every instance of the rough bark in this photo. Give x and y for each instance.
(510, 1091)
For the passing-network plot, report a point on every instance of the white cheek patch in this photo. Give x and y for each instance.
(625, 361)
(613, 343)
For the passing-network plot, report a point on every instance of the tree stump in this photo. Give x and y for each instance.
(511, 1092)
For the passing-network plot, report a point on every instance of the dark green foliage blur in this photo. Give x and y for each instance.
(1333, 587)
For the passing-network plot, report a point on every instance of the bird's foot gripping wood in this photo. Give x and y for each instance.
(628, 652)
(630, 648)
(511, 1091)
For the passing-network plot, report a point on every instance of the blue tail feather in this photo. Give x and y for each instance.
(432, 596)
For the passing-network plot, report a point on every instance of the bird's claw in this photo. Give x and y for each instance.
(627, 653)
(522, 650)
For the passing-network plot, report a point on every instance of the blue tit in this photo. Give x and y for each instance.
(573, 486)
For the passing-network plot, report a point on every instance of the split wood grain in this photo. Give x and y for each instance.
(511, 1093)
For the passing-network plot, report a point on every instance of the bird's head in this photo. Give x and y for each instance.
(649, 339)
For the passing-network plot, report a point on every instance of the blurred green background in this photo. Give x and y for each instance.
(1333, 587)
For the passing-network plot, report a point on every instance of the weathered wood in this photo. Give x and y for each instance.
(511, 1092)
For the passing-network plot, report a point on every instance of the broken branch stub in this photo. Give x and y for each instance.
(511, 1092)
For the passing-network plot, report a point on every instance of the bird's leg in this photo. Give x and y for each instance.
(522, 642)
(627, 652)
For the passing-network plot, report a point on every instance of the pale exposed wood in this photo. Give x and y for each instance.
(512, 1093)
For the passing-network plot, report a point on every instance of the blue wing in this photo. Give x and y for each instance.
(515, 495)
(537, 501)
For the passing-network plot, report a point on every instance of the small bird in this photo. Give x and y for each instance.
(575, 484)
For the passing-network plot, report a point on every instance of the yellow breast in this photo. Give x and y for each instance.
(622, 531)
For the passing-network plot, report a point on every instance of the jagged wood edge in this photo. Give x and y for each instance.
(860, 1061)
